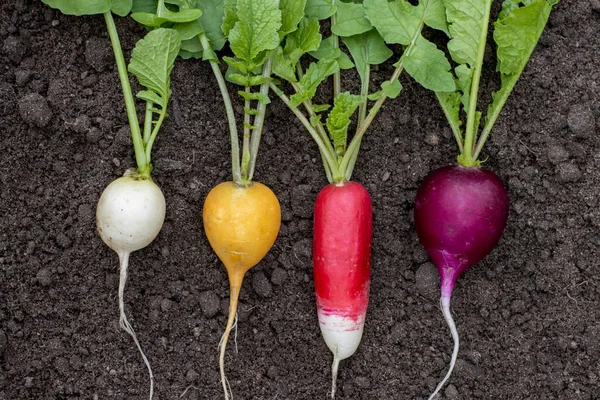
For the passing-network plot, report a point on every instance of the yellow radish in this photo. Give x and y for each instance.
(241, 223)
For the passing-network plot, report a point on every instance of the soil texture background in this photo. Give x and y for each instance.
(528, 314)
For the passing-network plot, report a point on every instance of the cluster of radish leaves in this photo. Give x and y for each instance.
(151, 63)
(253, 30)
(131, 209)
(517, 29)
(363, 28)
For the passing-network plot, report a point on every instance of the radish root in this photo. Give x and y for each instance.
(445, 305)
(231, 323)
(123, 322)
(334, 372)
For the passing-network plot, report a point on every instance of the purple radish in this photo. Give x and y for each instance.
(460, 214)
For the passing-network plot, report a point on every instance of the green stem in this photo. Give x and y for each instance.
(347, 164)
(318, 126)
(159, 122)
(136, 137)
(364, 92)
(233, 132)
(259, 120)
(337, 76)
(327, 155)
(246, 139)
(148, 122)
(466, 157)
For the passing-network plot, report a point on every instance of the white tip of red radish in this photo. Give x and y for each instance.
(130, 213)
(342, 335)
(445, 305)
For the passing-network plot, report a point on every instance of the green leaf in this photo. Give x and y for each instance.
(433, 13)
(292, 12)
(394, 21)
(183, 15)
(450, 102)
(230, 16)
(121, 7)
(189, 17)
(256, 31)
(350, 20)
(428, 66)
(148, 6)
(367, 49)
(303, 40)
(315, 74)
(525, 25)
(283, 66)
(466, 19)
(152, 61)
(517, 35)
(192, 45)
(338, 119)
(509, 5)
(212, 16)
(375, 96)
(236, 64)
(188, 30)
(465, 77)
(320, 9)
(78, 7)
(146, 19)
(326, 51)
(320, 107)
(391, 89)
(186, 55)
(150, 96)
(263, 98)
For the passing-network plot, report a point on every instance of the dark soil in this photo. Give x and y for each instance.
(528, 314)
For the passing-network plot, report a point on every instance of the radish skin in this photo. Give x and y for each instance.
(342, 267)
(460, 214)
(130, 214)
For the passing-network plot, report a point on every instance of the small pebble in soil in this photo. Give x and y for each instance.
(44, 277)
(14, 48)
(278, 276)
(581, 120)
(261, 284)
(93, 135)
(451, 392)
(209, 303)
(22, 76)
(568, 173)
(123, 136)
(81, 124)
(28, 382)
(427, 281)
(557, 154)
(191, 376)
(165, 305)
(34, 110)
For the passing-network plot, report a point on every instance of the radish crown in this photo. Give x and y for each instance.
(516, 33)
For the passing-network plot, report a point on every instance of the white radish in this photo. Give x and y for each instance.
(130, 213)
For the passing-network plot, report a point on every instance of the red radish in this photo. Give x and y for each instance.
(460, 214)
(342, 266)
